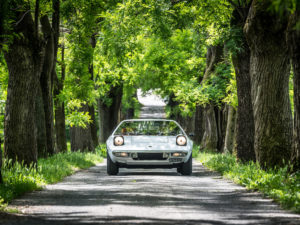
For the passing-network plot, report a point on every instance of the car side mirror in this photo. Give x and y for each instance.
(191, 134)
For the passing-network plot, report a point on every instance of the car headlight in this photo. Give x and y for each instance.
(118, 140)
(181, 140)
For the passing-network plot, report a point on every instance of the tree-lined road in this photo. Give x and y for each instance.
(154, 196)
(141, 196)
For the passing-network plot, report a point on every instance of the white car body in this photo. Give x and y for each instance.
(149, 151)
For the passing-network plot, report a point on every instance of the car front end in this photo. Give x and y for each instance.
(148, 144)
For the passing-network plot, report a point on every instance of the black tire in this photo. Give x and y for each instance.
(111, 167)
(179, 169)
(187, 168)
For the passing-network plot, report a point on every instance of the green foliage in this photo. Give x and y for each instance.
(231, 91)
(216, 89)
(195, 150)
(101, 150)
(3, 92)
(19, 179)
(75, 117)
(278, 184)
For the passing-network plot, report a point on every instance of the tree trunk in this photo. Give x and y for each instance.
(269, 70)
(244, 134)
(93, 125)
(186, 122)
(46, 82)
(294, 46)
(81, 138)
(40, 123)
(221, 121)
(109, 114)
(24, 61)
(230, 128)
(199, 125)
(245, 120)
(1, 179)
(60, 124)
(210, 137)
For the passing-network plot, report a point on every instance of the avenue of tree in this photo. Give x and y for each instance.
(230, 70)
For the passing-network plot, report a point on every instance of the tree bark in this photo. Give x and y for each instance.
(230, 129)
(24, 61)
(221, 121)
(93, 125)
(294, 47)
(109, 114)
(210, 138)
(244, 135)
(81, 138)
(245, 120)
(40, 124)
(46, 82)
(186, 122)
(60, 124)
(269, 70)
(199, 125)
(1, 179)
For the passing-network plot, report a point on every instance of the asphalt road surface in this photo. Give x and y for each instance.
(138, 196)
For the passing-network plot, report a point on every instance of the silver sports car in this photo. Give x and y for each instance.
(149, 143)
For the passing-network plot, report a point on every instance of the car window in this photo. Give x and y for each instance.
(159, 128)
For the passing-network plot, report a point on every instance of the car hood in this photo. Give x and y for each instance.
(147, 139)
(147, 143)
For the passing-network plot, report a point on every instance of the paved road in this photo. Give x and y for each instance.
(138, 196)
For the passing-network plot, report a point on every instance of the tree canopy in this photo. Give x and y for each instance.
(198, 55)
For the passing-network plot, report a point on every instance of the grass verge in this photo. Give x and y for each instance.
(19, 179)
(277, 184)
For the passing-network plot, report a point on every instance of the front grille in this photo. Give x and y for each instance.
(150, 156)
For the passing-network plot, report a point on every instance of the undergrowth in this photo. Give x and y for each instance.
(19, 179)
(278, 184)
(102, 150)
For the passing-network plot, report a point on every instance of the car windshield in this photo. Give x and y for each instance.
(160, 128)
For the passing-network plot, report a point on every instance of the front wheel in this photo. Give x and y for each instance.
(187, 168)
(112, 168)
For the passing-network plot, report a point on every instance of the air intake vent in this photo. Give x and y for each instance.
(150, 156)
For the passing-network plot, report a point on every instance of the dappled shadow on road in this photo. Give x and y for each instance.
(152, 112)
(136, 196)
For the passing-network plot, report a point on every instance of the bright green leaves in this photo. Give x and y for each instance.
(82, 24)
(214, 90)
(3, 91)
(145, 44)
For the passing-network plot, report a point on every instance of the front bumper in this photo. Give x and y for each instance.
(143, 159)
